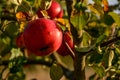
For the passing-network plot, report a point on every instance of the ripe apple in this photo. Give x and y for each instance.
(20, 41)
(42, 36)
(55, 10)
(64, 50)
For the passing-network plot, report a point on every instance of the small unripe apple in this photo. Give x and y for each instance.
(64, 50)
(55, 11)
(42, 36)
(20, 41)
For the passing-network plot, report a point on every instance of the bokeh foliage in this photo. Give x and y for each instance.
(95, 25)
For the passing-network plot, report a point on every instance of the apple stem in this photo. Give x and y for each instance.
(72, 54)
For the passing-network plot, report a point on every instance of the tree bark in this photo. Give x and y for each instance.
(79, 61)
(79, 66)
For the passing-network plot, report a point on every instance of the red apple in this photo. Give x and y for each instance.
(60, 15)
(20, 41)
(42, 36)
(64, 50)
(54, 11)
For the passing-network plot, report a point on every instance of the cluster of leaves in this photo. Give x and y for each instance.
(97, 26)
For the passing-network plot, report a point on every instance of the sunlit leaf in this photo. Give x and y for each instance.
(78, 20)
(91, 8)
(16, 2)
(15, 53)
(6, 40)
(110, 59)
(22, 16)
(61, 21)
(99, 70)
(86, 39)
(45, 4)
(116, 17)
(117, 50)
(97, 1)
(56, 72)
(16, 60)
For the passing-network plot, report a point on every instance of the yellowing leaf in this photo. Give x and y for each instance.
(110, 58)
(91, 7)
(60, 20)
(22, 26)
(105, 3)
(115, 17)
(45, 4)
(21, 16)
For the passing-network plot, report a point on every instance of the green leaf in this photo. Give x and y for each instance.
(107, 19)
(78, 20)
(6, 40)
(85, 49)
(95, 57)
(100, 39)
(99, 70)
(18, 76)
(108, 58)
(97, 9)
(16, 60)
(116, 17)
(86, 39)
(97, 1)
(56, 72)
(36, 3)
(25, 6)
(10, 28)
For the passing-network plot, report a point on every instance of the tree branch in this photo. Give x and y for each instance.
(30, 61)
(110, 41)
(103, 44)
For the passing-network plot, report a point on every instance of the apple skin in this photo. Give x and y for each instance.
(42, 36)
(64, 50)
(20, 41)
(55, 11)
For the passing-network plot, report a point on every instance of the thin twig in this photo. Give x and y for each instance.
(72, 54)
